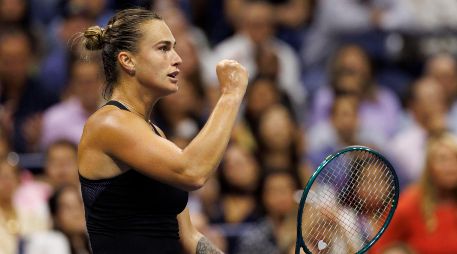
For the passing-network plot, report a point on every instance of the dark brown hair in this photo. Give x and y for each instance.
(121, 34)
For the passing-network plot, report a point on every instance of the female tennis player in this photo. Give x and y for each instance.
(134, 181)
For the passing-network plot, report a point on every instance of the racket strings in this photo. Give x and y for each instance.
(348, 203)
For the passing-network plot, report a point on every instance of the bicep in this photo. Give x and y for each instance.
(136, 145)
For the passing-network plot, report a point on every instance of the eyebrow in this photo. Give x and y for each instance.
(168, 43)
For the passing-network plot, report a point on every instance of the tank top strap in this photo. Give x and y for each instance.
(116, 104)
(123, 107)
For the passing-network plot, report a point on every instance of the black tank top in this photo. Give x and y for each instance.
(132, 213)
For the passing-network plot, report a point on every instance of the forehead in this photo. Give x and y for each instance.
(155, 31)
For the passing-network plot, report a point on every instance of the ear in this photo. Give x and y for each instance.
(126, 61)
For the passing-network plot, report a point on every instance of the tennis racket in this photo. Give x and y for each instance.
(347, 203)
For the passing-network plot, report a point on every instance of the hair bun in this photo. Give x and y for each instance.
(94, 38)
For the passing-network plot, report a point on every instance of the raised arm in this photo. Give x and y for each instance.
(124, 136)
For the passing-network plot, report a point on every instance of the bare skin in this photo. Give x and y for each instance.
(115, 140)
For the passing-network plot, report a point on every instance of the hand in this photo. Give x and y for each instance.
(233, 77)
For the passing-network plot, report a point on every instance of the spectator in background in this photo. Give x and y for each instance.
(5, 145)
(205, 201)
(351, 72)
(22, 96)
(425, 218)
(411, 16)
(67, 210)
(180, 114)
(19, 216)
(341, 129)
(10, 226)
(276, 231)
(329, 25)
(398, 248)
(443, 69)
(60, 171)
(96, 9)
(61, 48)
(426, 116)
(290, 15)
(239, 179)
(257, 27)
(181, 27)
(15, 13)
(280, 140)
(66, 119)
(261, 95)
(61, 164)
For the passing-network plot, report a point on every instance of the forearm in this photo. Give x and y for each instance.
(205, 247)
(206, 149)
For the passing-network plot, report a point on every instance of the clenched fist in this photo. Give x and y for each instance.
(233, 77)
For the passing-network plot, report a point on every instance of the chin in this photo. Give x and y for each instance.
(174, 88)
(170, 90)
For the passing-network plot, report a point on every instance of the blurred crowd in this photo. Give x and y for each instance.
(324, 74)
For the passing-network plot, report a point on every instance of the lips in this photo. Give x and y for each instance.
(173, 74)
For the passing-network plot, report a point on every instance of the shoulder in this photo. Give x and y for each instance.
(109, 122)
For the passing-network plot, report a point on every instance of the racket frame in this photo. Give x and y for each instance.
(300, 243)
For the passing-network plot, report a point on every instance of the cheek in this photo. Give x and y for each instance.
(151, 66)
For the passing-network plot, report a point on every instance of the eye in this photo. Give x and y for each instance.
(164, 48)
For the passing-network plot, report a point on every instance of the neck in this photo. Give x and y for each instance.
(135, 98)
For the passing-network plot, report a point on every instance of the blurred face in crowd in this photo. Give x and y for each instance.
(442, 161)
(277, 128)
(261, 96)
(71, 26)
(352, 70)
(209, 193)
(61, 165)
(176, 21)
(87, 82)
(267, 61)
(374, 188)
(428, 103)
(15, 58)
(240, 168)
(95, 7)
(9, 181)
(443, 69)
(345, 118)
(258, 21)
(12, 10)
(278, 194)
(186, 49)
(70, 212)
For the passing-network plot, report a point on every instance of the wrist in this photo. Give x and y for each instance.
(231, 98)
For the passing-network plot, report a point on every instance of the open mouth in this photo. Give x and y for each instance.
(173, 75)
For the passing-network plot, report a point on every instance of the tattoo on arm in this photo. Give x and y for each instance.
(205, 247)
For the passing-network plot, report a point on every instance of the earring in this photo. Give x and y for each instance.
(132, 71)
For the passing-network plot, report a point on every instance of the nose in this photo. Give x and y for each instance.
(177, 61)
